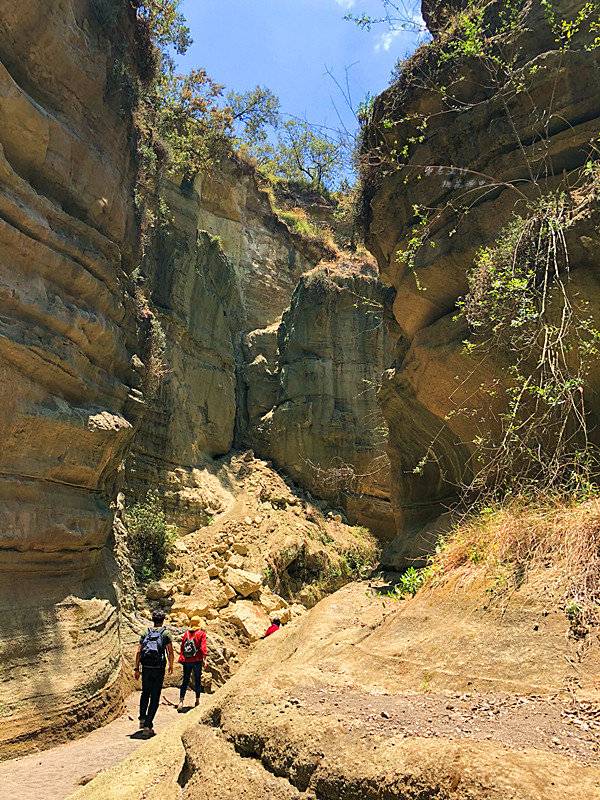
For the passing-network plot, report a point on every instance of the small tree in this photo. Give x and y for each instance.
(150, 537)
(253, 113)
(190, 120)
(304, 156)
(166, 23)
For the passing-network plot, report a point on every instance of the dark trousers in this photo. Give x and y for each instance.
(187, 674)
(152, 684)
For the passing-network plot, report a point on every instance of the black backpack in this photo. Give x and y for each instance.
(189, 647)
(153, 648)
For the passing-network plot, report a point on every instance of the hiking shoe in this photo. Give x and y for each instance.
(149, 731)
(142, 724)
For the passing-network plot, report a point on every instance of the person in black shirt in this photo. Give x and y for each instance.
(155, 649)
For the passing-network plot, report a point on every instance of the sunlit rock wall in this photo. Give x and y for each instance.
(312, 387)
(67, 335)
(465, 161)
(220, 265)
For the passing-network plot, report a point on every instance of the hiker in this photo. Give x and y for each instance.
(156, 647)
(191, 656)
(274, 626)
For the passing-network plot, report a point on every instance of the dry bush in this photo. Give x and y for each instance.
(524, 536)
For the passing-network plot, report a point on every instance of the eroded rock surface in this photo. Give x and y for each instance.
(272, 554)
(467, 155)
(67, 335)
(297, 384)
(445, 694)
(312, 390)
(221, 265)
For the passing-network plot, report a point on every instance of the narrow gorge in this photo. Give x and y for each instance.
(323, 428)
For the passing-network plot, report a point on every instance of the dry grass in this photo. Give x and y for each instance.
(298, 221)
(522, 537)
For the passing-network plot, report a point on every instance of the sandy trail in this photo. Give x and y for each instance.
(53, 774)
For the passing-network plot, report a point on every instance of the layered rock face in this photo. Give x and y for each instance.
(67, 334)
(267, 256)
(221, 265)
(466, 161)
(312, 391)
(301, 390)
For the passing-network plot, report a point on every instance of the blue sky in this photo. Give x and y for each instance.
(287, 45)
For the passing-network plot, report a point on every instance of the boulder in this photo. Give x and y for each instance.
(271, 602)
(229, 591)
(212, 593)
(296, 610)
(245, 583)
(249, 617)
(158, 590)
(240, 548)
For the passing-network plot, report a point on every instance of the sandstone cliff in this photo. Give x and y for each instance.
(444, 138)
(220, 265)
(298, 388)
(67, 335)
(312, 390)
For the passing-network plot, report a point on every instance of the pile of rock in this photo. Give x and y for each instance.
(224, 591)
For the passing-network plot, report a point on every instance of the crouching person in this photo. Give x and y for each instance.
(192, 655)
(156, 647)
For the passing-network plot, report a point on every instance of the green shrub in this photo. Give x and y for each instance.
(150, 538)
(410, 582)
(298, 221)
(359, 562)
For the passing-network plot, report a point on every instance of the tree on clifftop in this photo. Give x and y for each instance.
(305, 156)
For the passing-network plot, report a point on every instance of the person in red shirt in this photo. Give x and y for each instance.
(275, 625)
(191, 656)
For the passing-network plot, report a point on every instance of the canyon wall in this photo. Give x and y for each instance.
(479, 142)
(67, 336)
(312, 391)
(220, 265)
(261, 352)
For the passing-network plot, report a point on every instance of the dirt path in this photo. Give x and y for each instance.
(53, 774)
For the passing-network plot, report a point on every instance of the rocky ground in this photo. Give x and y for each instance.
(450, 695)
(272, 552)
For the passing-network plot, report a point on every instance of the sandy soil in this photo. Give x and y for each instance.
(53, 774)
(543, 723)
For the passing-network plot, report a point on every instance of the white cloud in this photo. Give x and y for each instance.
(386, 40)
(345, 3)
(415, 24)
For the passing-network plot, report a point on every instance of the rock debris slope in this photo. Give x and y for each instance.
(67, 335)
